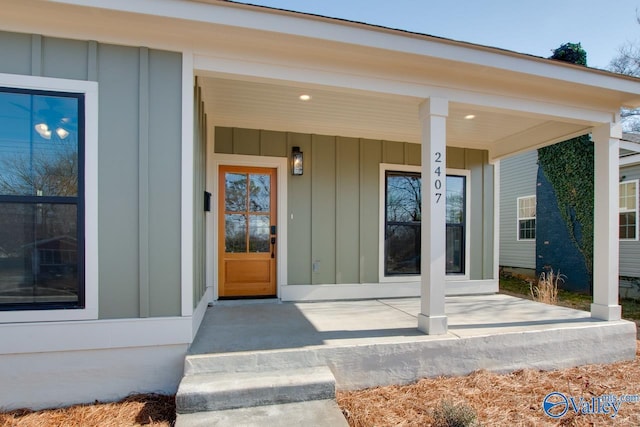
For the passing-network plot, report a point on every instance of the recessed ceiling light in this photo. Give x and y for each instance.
(305, 97)
(470, 116)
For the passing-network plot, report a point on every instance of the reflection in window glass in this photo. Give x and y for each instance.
(455, 249)
(39, 253)
(235, 192)
(455, 213)
(260, 191)
(402, 246)
(235, 233)
(41, 223)
(38, 145)
(455, 199)
(403, 228)
(403, 197)
(259, 233)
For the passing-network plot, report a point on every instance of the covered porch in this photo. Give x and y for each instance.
(375, 342)
(351, 97)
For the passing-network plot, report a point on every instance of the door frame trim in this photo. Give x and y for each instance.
(281, 164)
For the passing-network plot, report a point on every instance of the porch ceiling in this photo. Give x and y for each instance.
(273, 105)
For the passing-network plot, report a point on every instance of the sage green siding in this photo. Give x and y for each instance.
(199, 186)
(139, 143)
(299, 203)
(333, 218)
(370, 158)
(323, 202)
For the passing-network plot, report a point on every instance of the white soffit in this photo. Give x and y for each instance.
(271, 106)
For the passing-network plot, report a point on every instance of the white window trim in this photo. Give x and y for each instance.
(631, 181)
(90, 91)
(518, 219)
(384, 167)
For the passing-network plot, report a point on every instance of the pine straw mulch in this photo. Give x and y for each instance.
(144, 409)
(499, 400)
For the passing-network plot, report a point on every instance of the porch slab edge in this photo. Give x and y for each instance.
(370, 365)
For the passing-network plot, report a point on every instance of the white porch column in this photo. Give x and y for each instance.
(433, 118)
(606, 140)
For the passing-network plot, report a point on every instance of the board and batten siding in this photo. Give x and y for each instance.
(199, 187)
(139, 140)
(333, 213)
(518, 178)
(630, 249)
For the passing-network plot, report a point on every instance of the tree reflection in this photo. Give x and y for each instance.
(404, 197)
(43, 173)
(404, 212)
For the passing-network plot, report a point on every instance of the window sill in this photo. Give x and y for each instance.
(27, 316)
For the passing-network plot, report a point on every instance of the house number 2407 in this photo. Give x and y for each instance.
(437, 170)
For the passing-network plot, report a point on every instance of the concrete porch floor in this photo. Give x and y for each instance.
(376, 342)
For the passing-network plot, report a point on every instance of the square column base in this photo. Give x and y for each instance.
(606, 312)
(432, 325)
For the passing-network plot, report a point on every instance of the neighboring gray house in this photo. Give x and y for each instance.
(200, 150)
(518, 175)
(518, 212)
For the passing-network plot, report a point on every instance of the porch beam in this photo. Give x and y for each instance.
(605, 238)
(433, 119)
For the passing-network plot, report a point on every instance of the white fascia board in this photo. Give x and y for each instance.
(630, 146)
(630, 160)
(297, 24)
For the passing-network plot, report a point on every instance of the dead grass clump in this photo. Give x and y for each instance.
(546, 290)
(513, 399)
(449, 414)
(144, 409)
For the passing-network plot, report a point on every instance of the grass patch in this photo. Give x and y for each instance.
(520, 287)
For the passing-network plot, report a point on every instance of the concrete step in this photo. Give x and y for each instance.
(316, 413)
(254, 361)
(220, 391)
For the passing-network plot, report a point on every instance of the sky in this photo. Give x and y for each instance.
(534, 27)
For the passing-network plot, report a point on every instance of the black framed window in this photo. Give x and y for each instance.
(456, 224)
(403, 217)
(41, 199)
(402, 223)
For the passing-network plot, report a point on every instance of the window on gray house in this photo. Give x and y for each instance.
(527, 218)
(628, 210)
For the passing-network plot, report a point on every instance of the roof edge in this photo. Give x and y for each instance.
(408, 33)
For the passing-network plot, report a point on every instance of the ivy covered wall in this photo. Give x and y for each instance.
(557, 235)
(564, 223)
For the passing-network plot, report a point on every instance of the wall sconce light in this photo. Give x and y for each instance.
(296, 161)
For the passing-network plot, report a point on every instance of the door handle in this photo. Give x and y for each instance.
(273, 246)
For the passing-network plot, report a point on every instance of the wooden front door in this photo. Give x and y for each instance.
(247, 232)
